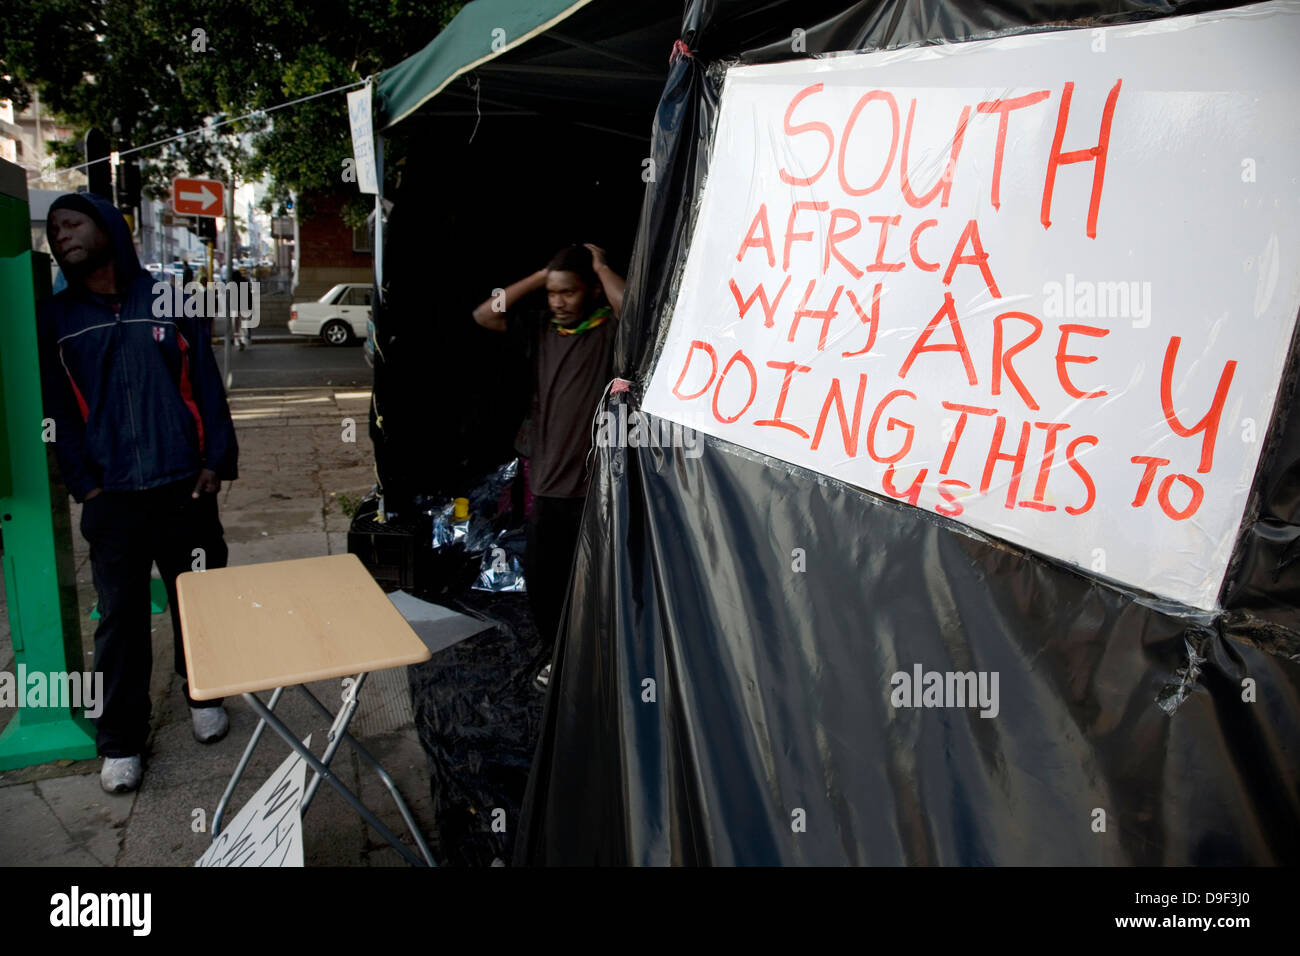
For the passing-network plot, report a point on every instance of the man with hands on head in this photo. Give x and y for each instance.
(570, 346)
(144, 438)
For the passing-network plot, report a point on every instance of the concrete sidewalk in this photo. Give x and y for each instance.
(294, 466)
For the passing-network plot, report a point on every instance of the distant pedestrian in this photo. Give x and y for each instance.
(144, 438)
(243, 333)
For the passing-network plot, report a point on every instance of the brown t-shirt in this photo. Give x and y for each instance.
(571, 372)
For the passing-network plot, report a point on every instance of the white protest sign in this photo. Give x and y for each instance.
(363, 139)
(267, 831)
(1044, 285)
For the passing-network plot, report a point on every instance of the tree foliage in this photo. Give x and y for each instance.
(163, 67)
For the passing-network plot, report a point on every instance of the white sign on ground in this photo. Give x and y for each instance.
(268, 830)
(1044, 285)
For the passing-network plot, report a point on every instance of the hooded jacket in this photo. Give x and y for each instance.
(137, 400)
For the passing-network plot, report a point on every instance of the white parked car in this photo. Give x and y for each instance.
(177, 268)
(339, 317)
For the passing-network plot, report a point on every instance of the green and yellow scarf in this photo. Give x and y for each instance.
(590, 322)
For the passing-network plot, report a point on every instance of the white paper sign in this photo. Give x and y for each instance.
(268, 830)
(363, 139)
(1044, 285)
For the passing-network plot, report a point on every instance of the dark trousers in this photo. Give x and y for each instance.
(552, 540)
(128, 531)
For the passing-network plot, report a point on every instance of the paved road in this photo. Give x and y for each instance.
(296, 364)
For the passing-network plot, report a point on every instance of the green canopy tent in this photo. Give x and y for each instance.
(539, 57)
(538, 65)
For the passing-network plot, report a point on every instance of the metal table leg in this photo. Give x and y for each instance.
(239, 770)
(323, 771)
(338, 729)
(364, 754)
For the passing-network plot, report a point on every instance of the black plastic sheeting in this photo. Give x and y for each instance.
(477, 709)
(709, 706)
(478, 714)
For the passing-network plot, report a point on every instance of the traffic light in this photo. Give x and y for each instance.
(98, 176)
(207, 229)
(127, 177)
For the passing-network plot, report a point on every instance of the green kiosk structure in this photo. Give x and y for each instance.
(36, 543)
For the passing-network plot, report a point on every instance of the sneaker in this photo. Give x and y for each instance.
(121, 774)
(544, 678)
(210, 724)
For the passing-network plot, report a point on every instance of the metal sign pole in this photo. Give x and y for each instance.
(379, 220)
(230, 272)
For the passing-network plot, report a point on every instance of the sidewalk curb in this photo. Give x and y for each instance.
(220, 340)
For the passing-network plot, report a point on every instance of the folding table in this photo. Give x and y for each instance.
(260, 627)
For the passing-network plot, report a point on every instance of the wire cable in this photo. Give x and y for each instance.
(204, 129)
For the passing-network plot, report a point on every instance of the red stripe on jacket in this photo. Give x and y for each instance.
(187, 392)
(81, 400)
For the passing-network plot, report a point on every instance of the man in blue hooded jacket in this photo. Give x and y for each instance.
(144, 438)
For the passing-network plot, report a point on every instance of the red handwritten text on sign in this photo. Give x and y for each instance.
(988, 299)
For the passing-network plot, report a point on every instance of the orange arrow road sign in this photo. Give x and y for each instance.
(198, 197)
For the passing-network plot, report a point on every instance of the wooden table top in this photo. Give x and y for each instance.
(260, 626)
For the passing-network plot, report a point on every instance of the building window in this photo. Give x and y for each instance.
(362, 239)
